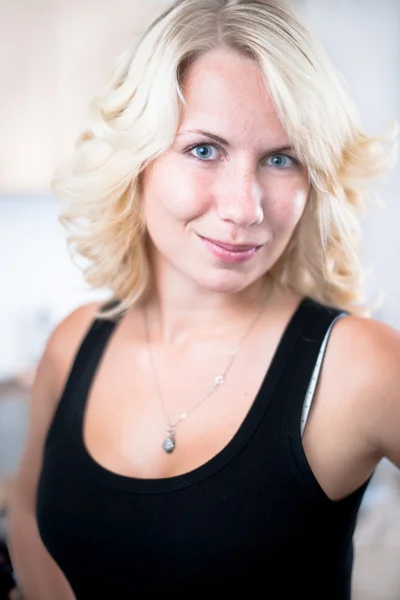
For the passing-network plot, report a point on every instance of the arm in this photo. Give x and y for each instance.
(386, 394)
(37, 574)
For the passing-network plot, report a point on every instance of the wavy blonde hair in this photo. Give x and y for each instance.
(137, 119)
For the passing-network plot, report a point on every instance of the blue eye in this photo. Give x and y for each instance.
(202, 151)
(280, 160)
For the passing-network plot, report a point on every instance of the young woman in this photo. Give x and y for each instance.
(215, 425)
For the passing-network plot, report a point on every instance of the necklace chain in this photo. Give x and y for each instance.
(169, 442)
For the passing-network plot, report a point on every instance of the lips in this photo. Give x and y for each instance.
(232, 247)
(233, 254)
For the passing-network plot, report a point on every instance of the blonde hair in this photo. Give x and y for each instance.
(137, 119)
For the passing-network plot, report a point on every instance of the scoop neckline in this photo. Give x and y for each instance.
(238, 441)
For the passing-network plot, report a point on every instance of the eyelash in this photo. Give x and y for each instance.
(202, 144)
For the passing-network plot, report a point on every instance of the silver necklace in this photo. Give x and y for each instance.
(169, 442)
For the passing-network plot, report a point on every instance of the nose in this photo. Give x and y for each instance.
(240, 198)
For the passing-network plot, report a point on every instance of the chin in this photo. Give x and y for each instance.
(228, 283)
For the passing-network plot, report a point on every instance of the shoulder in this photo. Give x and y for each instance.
(364, 362)
(64, 341)
(367, 346)
(50, 377)
(354, 419)
(69, 331)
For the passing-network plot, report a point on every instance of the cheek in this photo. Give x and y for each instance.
(287, 210)
(173, 193)
(298, 203)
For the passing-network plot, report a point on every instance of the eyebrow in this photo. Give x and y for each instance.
(222, 141)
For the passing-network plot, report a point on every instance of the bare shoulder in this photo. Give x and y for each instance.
(355, 415)
(65, 339)
(68, 333)
(365, 357)
(57, 358)
(368, 347)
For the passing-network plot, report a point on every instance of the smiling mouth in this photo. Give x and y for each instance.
(232, 247)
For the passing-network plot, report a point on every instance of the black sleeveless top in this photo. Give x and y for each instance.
(252, 516)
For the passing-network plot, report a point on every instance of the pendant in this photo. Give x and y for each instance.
(169, 442)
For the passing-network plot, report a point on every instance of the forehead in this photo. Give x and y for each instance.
(227, 92)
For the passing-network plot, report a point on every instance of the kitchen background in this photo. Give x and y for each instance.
(55, 56)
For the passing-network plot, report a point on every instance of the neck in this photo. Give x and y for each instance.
(178, 316)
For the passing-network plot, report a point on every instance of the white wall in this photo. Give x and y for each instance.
(39, 283)
(55, 55)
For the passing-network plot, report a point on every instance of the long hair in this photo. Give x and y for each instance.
(137, 118)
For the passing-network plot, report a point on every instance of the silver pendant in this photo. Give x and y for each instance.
(169, 442)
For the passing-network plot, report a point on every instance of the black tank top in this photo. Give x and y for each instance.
(252, 517)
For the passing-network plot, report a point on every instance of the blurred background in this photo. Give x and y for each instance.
(55, 56)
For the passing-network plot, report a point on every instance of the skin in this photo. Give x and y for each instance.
(220, 191)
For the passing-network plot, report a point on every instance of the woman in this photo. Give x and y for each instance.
(217, 194)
